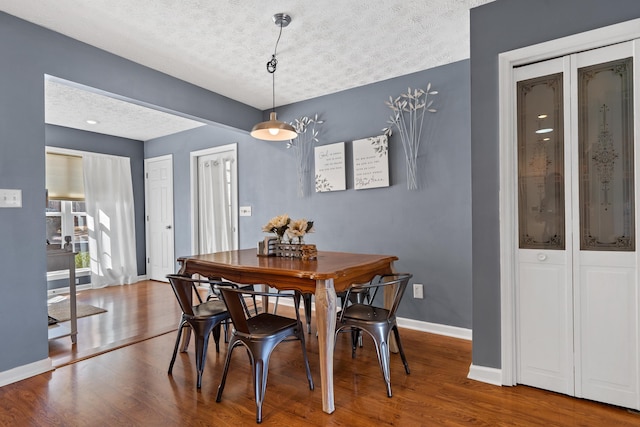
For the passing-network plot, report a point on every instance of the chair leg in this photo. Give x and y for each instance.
(355, 337)
(187, 339)
(261, 352)
(400, 349)
(232, 344)
(202, 341)
(216, 337)
(382, 348)
(260, 373)
(175, 348)
(306, 299)
(306, 360)
(225, 325)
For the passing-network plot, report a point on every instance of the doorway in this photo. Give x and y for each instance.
(572, 258)
(214, 198)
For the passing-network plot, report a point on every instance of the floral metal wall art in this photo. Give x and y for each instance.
(408, 117)
(307, 128)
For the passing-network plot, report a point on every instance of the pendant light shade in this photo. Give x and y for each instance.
(273, 130)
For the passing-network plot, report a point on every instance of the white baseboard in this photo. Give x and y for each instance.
(84, 287)
(58, 291)
(485, 375)
(25, 371)
(435, 328)
(418, 325)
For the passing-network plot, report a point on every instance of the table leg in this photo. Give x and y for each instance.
(73, 299)
(326, 320)
(265, 299)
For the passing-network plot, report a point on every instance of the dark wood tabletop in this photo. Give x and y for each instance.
(244, 266)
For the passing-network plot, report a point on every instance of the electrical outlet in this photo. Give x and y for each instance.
(417, 291)
(245, 210)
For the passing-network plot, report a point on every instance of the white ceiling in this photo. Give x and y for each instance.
(224, 45)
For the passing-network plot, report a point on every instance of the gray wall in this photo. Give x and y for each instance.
(180, 146)
(498, 27)
(429, 229)
(57, 136)
(29, 52)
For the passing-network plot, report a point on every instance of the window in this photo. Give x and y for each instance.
(68, 218)
(65, 203)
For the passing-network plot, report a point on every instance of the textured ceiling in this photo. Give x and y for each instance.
(224, 45)
(71, 106)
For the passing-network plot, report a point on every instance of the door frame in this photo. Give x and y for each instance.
(193, 166)
(508, 209)
(146, 210)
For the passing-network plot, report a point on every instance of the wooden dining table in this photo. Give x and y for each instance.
(331, 272)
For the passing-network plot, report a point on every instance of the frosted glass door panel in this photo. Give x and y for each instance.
(605, 133)
(541, 163)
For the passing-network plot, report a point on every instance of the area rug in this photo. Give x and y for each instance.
(61, 311)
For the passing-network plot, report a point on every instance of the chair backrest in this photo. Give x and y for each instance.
(236, 306)
(183, 289)
(398, 281)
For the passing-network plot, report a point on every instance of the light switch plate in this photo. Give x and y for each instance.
(10, 198)
(245, 210)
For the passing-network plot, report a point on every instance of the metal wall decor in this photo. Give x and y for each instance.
(307, 128)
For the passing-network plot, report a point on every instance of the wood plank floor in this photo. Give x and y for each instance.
(134, 313)
(130, 386)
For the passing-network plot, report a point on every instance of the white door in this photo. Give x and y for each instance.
(159, 217)
(577, 276)
(215, 201)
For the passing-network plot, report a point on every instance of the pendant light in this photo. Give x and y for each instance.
(273, 129)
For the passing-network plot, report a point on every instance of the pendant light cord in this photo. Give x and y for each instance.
(271, 68)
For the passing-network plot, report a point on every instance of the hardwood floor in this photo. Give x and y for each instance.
(134, 313)
(130, 385)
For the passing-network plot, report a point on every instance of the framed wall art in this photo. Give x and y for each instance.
(370, 163)
(330, 168)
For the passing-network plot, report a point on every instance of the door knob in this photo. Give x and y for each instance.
(168, 227)
(542, 257)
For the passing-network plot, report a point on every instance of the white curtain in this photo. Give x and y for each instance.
(110, 219)
(214, 205)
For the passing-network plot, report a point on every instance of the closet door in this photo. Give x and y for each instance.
(605, 191)
(577, 293)
(544, 304)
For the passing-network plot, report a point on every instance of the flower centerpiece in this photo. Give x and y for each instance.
(294, 229)
(408, 117)
(298, 228)
(277, 225)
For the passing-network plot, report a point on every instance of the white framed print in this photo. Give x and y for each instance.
(370, 162)
(330, 168)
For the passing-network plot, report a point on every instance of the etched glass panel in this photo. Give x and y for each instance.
(605, 133)
(541, 163)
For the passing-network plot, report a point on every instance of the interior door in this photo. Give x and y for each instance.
(577, 290)
(605, 187)
(159, 217)
(544, 303)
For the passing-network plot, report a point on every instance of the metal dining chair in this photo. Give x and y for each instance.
(260, 334)
(306, 300)
(203, 318)
(376, 321)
